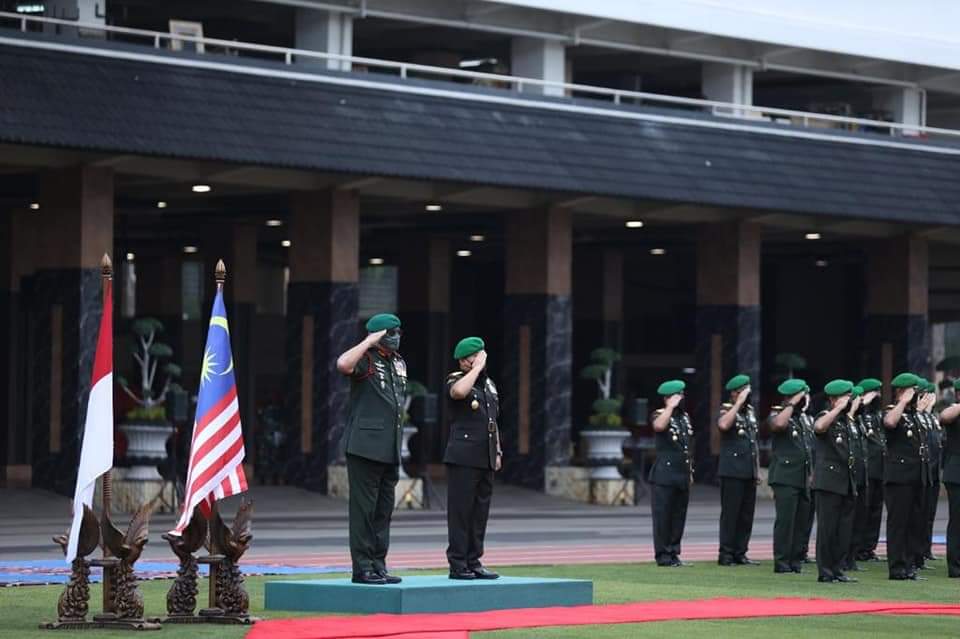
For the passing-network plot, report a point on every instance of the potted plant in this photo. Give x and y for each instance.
(146, 427)
(605, 436)
(413, 389)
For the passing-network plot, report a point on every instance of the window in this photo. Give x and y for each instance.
(191, 290)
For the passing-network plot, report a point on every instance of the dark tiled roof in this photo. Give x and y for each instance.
(96, 103)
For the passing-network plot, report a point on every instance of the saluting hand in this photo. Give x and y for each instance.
(742, 397)
(374, 338)
(908, 395)
(796, 399)
(843, 402)
(499, 463)
(480, 361)
(674, 400)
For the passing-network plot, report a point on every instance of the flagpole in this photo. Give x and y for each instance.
(106, 275)
(220, 274)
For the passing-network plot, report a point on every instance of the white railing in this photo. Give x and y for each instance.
(290, 56)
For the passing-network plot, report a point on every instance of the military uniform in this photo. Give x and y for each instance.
(789, 476)
(859, 453)
(470, 457)
(951, 478)
(876, 439)
(671, 476)
(932, 495)
(738, 471)
(377, 393)
(811, 439)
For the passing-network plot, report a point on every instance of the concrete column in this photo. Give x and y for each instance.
(242, 308)
(321, 323)
(728, 327)
(896, 335)
(327, 32)
(727, 83)
(539, 59)
(905, 104)
(537, 344)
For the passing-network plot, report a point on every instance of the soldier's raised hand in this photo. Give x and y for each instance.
(480, 361)
(674, 400)
(374, 338)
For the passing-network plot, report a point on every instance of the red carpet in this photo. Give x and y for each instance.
(457, 625)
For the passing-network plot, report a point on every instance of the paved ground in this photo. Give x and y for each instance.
(297, 527)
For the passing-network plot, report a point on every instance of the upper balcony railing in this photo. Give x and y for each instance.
(228, 52)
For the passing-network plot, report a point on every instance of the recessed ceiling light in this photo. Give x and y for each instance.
(376, 261)
(821, 263)
(478, 238)
(201, 188)
(189, 249)
(689, 371)
(434, 207)
(286, 243)
(161, 204)
(658, 251)
(34, 206)
(130, 257)
(464, 253)
(634, 224)
(274, 222)
(812, 236)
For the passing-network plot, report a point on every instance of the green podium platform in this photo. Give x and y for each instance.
(427, 594)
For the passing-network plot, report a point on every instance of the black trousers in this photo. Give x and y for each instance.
(906, 526)
(807, 530)
(859, 533)
(834, 528)
(874, 515)
(792, 513)
(372, 488)
(933, 496)
(738, 500)
(468, 507)
(953, 531)
(669, 508)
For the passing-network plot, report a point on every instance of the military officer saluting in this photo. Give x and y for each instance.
(671, 474)
(951, 478)
(807, 420)
(790, 471)
(834, 483)
(378, 378)
(935, 447)
(739, 472)
(473, 454)
(858, 453)
(876, 439)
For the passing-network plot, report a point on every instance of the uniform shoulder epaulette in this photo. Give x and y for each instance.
(455, 375)
(657, 412)
(726, 405)
(889, 407)
(776, 409)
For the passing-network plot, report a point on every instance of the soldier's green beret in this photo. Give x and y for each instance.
(838, 387)
(956, 384)
(382, 322)
(922, 384)
(857, 391)
(931, 387)
(467, 347)
(671, 387)
(791, 387)
(738, 381)
(905, 380)
(870, 384)
(806, 386)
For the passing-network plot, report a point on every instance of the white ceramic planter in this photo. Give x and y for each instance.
(146, 443)
(604, 451)
(408, 432)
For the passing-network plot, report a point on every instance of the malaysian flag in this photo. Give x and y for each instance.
(216, 453)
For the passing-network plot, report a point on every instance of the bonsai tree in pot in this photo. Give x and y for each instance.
(604, 438)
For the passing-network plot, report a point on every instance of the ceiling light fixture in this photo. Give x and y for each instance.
(274, 222)
(376, 261)
(634, 224)
(658, 251)
(189, 249)
(434, 207)
(201, 188)
(812, 236)
(464, 253)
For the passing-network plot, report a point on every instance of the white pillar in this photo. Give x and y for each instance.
(539, 59)
(727, 83)
(905, 104)
(327, 32)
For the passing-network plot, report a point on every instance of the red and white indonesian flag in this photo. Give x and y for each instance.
(96, 454)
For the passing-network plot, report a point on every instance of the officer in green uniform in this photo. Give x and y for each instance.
(807, 421)
(904, 479)
(378, 377)
(738, 471)
(858, 451)
(834, 484)
(473, 454)
(790, 470)
(876, 438)
(935, 446)
(951, 478)
(671, 474)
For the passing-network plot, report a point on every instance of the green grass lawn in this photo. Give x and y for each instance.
(23, 608)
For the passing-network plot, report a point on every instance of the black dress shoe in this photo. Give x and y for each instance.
(676, 563)
(953, 575)
(797, 569)
(782, 568)
(807, 560)
(825, 580)
(725, 561)
(845, 580)
(745, 561)
(931, 557)
(465, 574)
(388, 578)
(899, 577)
(368, 577)
(482, 573)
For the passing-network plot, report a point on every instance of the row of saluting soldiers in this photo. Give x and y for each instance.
(842, 466)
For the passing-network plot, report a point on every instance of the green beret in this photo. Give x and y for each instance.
(956, 384)
(931, 387)
(870, 384)
(791, 387)
(857, 391)
(922, 384)
(671, 387)
(806, 386)
(382, 322)
(467, 347)
(838, 387)
(905, 380)
(737, 381)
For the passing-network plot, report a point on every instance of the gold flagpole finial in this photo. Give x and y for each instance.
(106, 266)
(220, 273)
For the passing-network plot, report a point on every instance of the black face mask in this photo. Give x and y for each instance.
(390, 342)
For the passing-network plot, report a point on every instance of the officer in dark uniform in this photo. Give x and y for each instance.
(833, 483)
(378, 378)
(807, 421)
(876, 438)
(905, 476)
(473, 454)
(858, 452)
(738, 471)
(671, 474)
(951, 478)
(935, 446)
(789, 476)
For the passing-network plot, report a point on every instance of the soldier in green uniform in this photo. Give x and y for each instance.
(807, 421)
(378, 377)
(904, 479)
(790, 469)
(858, 453)
(738, 471)
(876, 439)
(834, 484)
(951, 478)
(473, 454)
(935, 446)
(671, 474)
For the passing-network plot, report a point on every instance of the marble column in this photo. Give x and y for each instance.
(64, 310)
(896, 330)
(727, 326)
(322, 300)
(536, 375)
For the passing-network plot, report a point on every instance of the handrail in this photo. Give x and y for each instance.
(289, 55)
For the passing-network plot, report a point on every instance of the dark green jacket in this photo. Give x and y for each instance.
(951, 453)
(739, 456)
(674, 464)
(834, 470)
(810, 436)
(790, 462)
(474, 434)
(375, 415)
(858, 450)
(876, 443)
(906, 451)
(934, 444)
